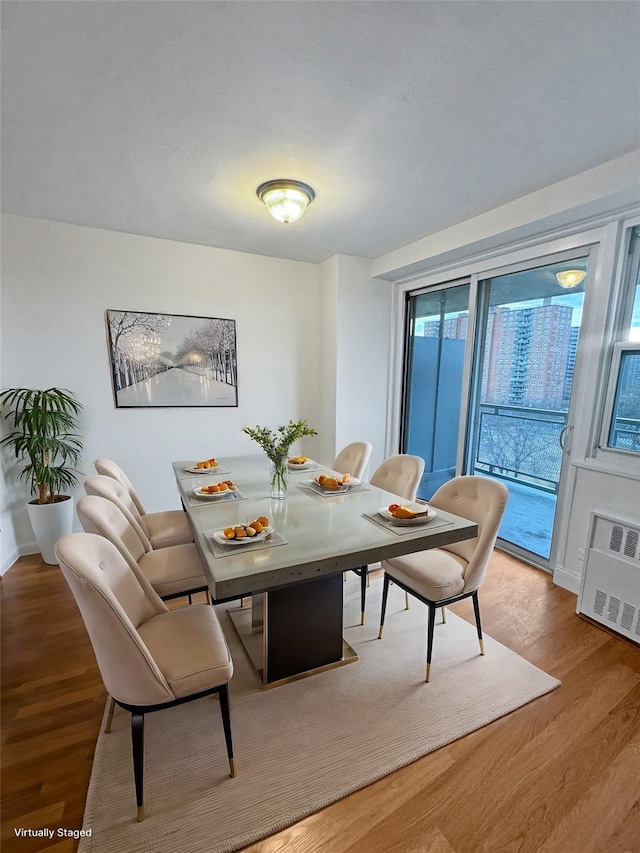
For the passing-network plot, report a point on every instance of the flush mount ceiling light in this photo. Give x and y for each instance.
(286, 201)
(570, 278)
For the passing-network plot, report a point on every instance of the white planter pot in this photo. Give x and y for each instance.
(49, 523)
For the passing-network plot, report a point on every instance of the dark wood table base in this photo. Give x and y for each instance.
(294, 632)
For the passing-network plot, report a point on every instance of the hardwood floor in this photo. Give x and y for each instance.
(561, 775)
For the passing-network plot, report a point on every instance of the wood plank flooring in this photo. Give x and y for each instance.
(561, 775)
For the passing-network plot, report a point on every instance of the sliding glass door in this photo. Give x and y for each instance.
(437, 332)
(528, 328)
(513, 377)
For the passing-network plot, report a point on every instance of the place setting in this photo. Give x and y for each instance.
(253, 535)
(208, 466)
(297, 464)
(330, 484)
(405, 518)
(219, 492)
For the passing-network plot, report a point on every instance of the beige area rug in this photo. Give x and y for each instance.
(305, 745)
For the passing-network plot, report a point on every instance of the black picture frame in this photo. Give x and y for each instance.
(171, 360)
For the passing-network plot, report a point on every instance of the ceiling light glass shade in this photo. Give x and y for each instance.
(286, 201)
(570, 278)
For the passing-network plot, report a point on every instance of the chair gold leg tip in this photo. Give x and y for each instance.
(428, 673)
(232, 768)
(140, 814)
(362, 618)
(112, 706)
(380, 634)
(481, 647)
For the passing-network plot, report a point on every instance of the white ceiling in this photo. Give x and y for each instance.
(161, 118)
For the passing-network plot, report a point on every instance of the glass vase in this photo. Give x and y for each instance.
(279, 473)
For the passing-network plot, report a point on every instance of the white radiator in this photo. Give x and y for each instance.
(610, 586)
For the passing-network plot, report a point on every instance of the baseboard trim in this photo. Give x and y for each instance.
(566, 579)
(20, 551)
(9, 561)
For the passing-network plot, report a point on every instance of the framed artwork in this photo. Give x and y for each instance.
(172, 360)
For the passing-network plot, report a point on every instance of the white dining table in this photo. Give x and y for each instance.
(293, 626)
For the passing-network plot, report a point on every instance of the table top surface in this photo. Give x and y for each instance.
(324, 535)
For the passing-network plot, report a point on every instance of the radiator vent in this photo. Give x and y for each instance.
(628, 615)
(610, 587)
(631, 543)
(615, 543)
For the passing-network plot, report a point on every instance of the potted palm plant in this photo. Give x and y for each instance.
(44, 425)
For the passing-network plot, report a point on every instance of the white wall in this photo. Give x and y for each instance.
(566, 204)
(363, 321)
(57, 282)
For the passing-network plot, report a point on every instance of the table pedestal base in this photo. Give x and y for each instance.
(294, 632)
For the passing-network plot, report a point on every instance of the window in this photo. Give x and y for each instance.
(624, 420)
(622, 413)
(631, 308)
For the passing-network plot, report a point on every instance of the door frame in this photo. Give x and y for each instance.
(468, 352)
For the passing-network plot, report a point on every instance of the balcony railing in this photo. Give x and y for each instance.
(625, 434)
(520, 444)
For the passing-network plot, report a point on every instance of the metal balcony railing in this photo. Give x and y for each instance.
(520, 444)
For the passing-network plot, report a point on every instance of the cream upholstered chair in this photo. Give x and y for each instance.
(172, 572)
(401, 475)
(353, 459)
(441, 576)
(107, 487)
(150, 658)
(170, 527)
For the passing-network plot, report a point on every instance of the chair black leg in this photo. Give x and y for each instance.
(476, 610)
(223, 694)
(190, 602)
(137, 743)
(430, 626)
(364, 574)
(385, 593)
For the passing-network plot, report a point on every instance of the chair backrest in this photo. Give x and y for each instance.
(353, 459)
(103, 517)
(480, 499)
(399, 474)
(114, 603)
(112, 490)
(108, 468)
